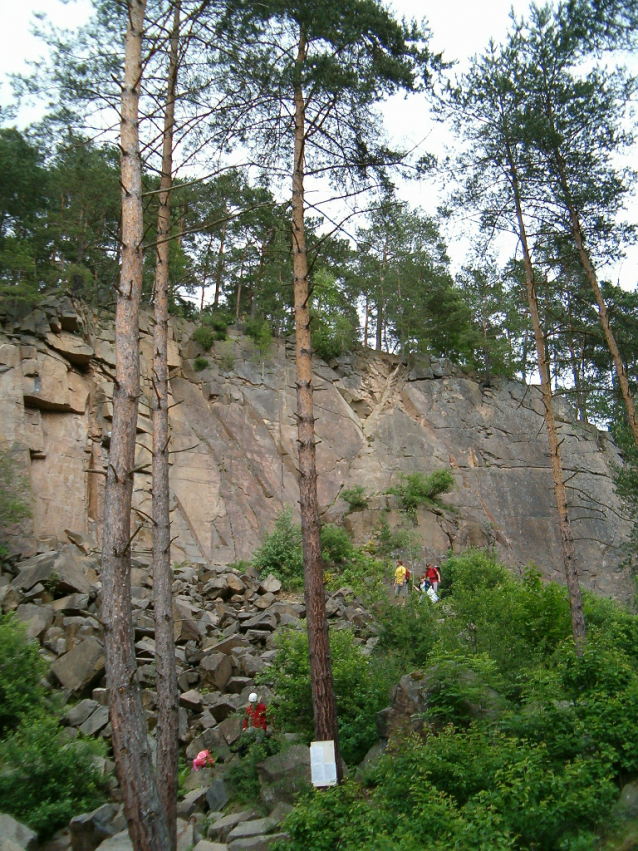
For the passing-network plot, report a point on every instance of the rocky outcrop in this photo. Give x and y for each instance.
(233, 448)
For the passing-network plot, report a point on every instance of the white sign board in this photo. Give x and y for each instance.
(323, 765)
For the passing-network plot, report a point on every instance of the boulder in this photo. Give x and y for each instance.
(223, 826)
(19, 834)
(90, 829)
(270, 585)
(78, 714)
(80, 667)
(234, 583)
(281, 776)
(74, 349)
(409, 701)
(626, 806)
(37, 619)
(192, 801)
(227, 645)
(280, 812)
(256, 827)
(217, 795)
(265, 600)
(262, 622)
(221, 708)
(45, 384)
(96, 722)
(256, 843)
(231, 729)
(215, 669)
(205, 845)
(63, 572)
(191, 700)
(119, 842)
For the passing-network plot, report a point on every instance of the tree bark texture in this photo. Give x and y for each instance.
(323, 695)
(220, 265)
(166, 681)
(567, 540)
(146, 822)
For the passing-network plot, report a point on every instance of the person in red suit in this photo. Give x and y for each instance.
(255, 714)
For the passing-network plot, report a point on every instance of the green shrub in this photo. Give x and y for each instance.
(227, 356)
(417, 489)
(242, 775)
(21, 669)
(45, 779)
(200, 364)
(336, 546)
(259, 332)
(361, 688)
(204, 336)
(355, 497)
(281, 553)
(407, 633)
(363, 573)
(332, 337)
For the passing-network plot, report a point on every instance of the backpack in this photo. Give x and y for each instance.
(408, 575)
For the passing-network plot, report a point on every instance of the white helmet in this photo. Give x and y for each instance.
(252, 698)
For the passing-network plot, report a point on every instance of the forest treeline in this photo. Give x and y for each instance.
(229, 157)
(392, 289)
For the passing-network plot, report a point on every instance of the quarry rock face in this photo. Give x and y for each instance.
(233, 449)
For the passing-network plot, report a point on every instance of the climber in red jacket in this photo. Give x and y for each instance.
(255, 714)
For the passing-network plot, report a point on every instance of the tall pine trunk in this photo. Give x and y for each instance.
(166, 682)
(323, 695)
(567, 540)
(146, 822)
(621, 372)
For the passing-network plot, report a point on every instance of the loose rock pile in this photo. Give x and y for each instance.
(225, 625)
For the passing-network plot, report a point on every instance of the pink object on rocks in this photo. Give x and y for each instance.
(202, 759)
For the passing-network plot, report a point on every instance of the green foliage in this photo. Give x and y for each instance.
(227, 356)
(355, 497)
(260, 333)
(21, 669)
(407, 633)
(200, 364)
(416, 489)
(525, 744)
(242, 775)
(280, 553)
(45, 779)
(204, 336)
(361, 688)
(388, 542)
(336, 545)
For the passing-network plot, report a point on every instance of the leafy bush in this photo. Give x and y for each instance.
(259, 332)
(416, 489)
(200, 364)
(21, 669)
(227, 356)
(204, 336)
(526, 743)
(242, 775)
(44, 779)
(361, 687)
(331, 338)
(355, 497)
(336, 545)
(281, 553)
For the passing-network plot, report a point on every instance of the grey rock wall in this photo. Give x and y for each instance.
(233, 458)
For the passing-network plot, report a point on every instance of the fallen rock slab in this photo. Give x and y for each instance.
(81, 666)
(256, 827)
(90, 829)
(17, 833)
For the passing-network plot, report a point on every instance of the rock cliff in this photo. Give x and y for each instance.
(233, 447)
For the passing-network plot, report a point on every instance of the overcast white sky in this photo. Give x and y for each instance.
(460, 28)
